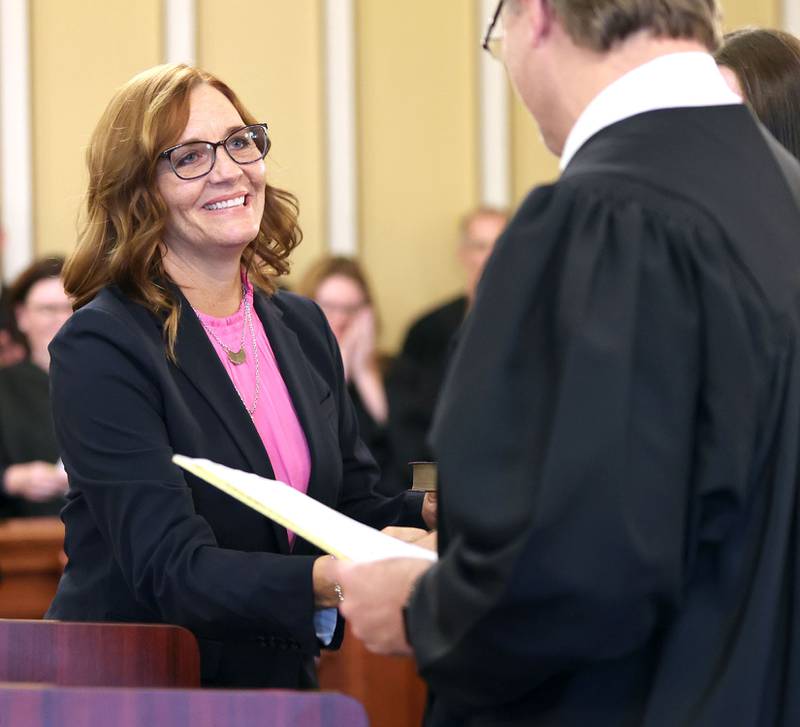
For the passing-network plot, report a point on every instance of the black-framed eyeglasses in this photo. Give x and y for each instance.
(494, 35)
(195, 159)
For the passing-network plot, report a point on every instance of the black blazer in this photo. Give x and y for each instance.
(148, 542)
(26, 433)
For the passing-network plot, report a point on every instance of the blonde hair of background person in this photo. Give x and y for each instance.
(122, 229)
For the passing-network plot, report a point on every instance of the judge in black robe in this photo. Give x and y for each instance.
(619, 503)
(619, 446)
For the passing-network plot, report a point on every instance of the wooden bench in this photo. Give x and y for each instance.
(98, 654)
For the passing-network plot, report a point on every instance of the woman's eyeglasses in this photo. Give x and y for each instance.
(196, 158)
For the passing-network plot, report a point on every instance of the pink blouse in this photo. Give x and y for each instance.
(274, 417)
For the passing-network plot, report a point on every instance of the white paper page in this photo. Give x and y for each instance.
(319, 524)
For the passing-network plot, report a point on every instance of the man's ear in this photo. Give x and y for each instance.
(541, 17)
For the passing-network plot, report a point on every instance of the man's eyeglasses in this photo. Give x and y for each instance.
(196, 158)
(493, 39)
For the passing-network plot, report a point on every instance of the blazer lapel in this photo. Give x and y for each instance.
(304, 386)
(199, 362)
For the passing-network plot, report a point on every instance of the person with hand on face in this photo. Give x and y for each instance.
(340, 288)
(618, 439)
(33, 481)
(181, 343)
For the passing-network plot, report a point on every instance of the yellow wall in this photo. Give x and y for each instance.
(417, 125)
(274, 63)
(81, 52)
(737, 13)
(417, 119)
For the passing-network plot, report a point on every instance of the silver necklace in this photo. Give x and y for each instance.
(235, 357)
(247, 323)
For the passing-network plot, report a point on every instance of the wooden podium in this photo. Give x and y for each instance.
(31, 561)
(387, 686)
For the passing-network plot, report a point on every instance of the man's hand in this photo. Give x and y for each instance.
(374, 596)
(418, 536)
(407, 535)
(430, 510)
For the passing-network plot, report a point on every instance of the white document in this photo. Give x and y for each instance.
(319, 524)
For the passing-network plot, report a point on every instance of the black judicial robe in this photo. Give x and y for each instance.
(618, 446)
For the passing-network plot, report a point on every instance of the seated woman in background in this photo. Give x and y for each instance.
(11, 350)
(763, 67)
(181, 344)
(33, 481)
(340, 288)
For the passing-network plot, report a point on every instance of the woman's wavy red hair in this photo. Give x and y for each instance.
(121, 231)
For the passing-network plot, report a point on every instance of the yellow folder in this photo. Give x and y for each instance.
(328, 529)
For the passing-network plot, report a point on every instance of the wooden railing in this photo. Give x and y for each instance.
(31, 561)
(387, 686)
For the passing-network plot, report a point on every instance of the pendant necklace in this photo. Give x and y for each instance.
(239, 357)
(235, 357)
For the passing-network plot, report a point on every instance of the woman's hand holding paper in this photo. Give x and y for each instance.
(418, 536)
(324, 580)
(429, 510)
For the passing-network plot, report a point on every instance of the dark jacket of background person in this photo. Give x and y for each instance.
(113, 385)
(26, 432)
(413, 384)
(375, 436)
(31, 481)
(417, 374)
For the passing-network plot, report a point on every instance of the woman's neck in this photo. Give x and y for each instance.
(212, 287)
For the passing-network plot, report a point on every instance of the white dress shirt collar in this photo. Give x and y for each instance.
(677, 80)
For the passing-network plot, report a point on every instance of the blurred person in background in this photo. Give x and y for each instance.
(340, 288)
(763, 67)
(33, 482)
(417, 373)
(11, 350)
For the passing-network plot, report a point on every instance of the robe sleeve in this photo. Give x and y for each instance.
(566, 438)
